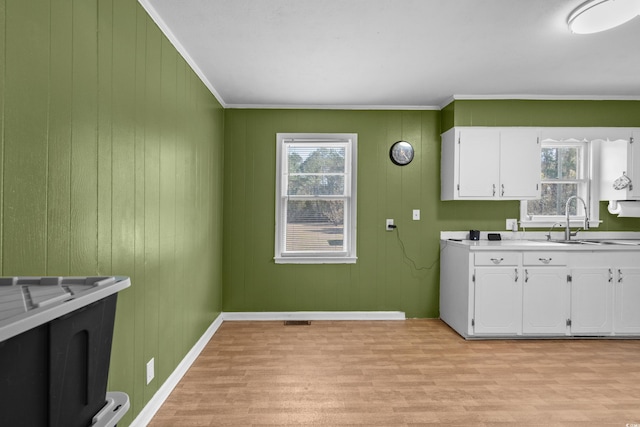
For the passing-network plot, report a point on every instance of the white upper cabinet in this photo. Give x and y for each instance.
(478, 157)
(620, 167)
(519, 164)
(490, 164)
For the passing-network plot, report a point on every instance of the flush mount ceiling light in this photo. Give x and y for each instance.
(599, 15)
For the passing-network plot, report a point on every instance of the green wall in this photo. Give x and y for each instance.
(111, 157)
(382, 279)
(541, 113)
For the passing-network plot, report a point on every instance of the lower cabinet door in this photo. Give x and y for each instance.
(592, 301)
(545, 304)
(498, 297)
(627, 297)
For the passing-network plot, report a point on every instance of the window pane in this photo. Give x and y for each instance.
(553, 199)
(320, 185)
(560, 163)
(316, 159)
(315, 225)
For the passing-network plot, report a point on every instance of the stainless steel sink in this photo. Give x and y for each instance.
(578, 242)
(593, 242)
(621, 242)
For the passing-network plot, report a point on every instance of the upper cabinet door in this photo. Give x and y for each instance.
(479, 172)
(519, 164)
(484, 163)
(634, 167)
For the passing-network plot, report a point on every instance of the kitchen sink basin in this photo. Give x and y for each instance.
(578, 242)
(621, 242)
(597, 242)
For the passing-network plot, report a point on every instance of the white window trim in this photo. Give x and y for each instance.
(591, 168)
(346, 257)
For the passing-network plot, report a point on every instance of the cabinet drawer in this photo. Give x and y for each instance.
(544, 258)
(497, 258)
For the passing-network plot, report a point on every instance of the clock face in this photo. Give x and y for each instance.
(401, 153)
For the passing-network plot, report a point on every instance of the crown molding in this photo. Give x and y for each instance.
(331, 107)
(548, 97)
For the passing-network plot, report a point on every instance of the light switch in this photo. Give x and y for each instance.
(416, 214)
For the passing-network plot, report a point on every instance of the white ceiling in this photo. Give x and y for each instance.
(396, 53)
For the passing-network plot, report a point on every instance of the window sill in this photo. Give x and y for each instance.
(557, 224)
(314, 260)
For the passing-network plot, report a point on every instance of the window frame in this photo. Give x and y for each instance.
(586, 189)
(350, 142)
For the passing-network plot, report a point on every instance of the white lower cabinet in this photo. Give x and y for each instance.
(519, 293)
(497, 297)
(544, 301)
(591, 301)
(605, 297)
(497, 293)
(627, 298)
(544, 293)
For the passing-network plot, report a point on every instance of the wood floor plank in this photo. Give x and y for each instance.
(402, 373)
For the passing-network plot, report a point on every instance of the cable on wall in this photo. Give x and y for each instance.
(412, 262)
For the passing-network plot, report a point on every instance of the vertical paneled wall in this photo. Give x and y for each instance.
(111, 154)
(383, 278)
(550, 113)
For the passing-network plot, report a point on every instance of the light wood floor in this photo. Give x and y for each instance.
(402, 373)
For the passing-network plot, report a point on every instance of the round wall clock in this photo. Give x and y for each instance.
(401, 153)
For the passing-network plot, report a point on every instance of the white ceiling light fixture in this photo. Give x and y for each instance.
(594, 16)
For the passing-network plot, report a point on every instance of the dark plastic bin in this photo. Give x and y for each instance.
(55, 353)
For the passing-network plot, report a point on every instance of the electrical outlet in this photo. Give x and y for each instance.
(416, 214)
(389, 224)
(150, 370)
(512, 224)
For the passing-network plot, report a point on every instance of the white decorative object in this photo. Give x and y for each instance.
(622, 182)
(625, 208)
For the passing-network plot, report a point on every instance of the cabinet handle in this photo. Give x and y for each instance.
(610, 275)
(497, 260)
(502, 190)
(545, 260)
(516, 270)
(494, 189)
(526, 275)
(619, 276)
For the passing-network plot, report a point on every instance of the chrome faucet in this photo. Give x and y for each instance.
(567, 230)
(551, 229)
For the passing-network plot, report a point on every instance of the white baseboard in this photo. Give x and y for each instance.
(150, 409)
(313, 315)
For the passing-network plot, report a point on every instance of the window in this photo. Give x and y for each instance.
(565, 172)
(316, 198)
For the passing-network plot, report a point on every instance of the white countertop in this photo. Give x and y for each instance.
(590, 241)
